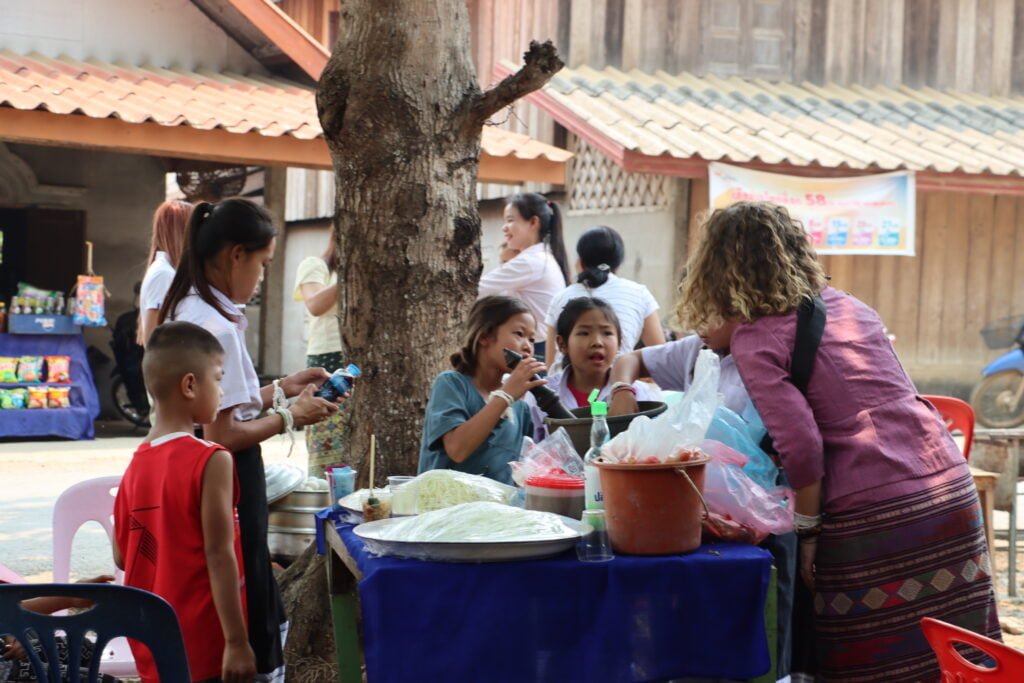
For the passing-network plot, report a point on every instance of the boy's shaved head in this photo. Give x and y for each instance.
(176, 349)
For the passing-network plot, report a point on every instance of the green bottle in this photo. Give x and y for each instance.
(598, 437)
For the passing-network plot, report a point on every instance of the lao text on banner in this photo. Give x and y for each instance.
(859, 215)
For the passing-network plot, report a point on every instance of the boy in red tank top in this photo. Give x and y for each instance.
(176, 526)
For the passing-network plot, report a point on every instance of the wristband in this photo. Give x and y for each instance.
(806, 526)
(279, 400)
(623, 386)
(505, 396)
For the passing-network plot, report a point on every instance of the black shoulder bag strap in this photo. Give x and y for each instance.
(810, 326)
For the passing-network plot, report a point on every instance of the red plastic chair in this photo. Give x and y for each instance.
(958, 416)
(1009, 663)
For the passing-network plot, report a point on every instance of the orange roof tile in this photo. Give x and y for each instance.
(661, 117)
(242, 104)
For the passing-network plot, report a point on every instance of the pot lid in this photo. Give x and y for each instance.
(282, 479)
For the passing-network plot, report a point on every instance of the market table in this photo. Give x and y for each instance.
(632, 619)
(1011, 439)
(75, 422)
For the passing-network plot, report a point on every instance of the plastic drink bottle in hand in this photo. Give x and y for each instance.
(339, 383)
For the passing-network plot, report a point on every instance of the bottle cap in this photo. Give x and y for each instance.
(597, 407)
(353, 370)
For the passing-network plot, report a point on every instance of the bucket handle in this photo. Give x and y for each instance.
(707, 512)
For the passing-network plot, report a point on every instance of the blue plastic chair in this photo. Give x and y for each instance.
(117, 611)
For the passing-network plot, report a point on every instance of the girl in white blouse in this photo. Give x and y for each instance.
(170, 221)
(227, 248)
(533, 226)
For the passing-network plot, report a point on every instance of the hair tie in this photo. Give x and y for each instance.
(604, 267)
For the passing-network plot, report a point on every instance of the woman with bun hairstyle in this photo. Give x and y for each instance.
(601, 252)
(533, 228)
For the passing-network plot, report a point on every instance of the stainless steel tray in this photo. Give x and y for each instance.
(486, 551)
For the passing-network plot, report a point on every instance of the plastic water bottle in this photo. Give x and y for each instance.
(598, 437)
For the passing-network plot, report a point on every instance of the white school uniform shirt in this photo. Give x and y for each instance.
(631, 301)
(559, 383)
(533, 276)
(156, 282)
(240, 384)
(671, 366)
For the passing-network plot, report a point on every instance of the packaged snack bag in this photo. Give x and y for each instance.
(6, 400)
(89, 301)
(8, 370)
(19, 397)
(59, 397)
(58, 369)
(30, 369)
(37, 397)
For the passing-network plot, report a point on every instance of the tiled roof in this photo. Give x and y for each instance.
(752, 120)
(263, 105)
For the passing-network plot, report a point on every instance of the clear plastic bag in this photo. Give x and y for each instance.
(733, 431)
(437, 489)
(674, 434)
(741, 510)
(556, 452)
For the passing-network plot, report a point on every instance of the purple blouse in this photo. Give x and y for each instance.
(862, 429)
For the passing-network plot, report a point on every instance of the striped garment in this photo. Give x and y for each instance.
(881, 569)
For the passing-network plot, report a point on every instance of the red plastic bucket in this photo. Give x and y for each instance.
(651, 508)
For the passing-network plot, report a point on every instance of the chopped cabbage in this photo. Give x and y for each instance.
(437, 489)
(478, 522)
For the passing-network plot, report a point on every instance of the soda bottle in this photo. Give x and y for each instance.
(547, 400)
(598, 438)
(339, 383)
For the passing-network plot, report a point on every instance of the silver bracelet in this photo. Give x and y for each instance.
(505, 396)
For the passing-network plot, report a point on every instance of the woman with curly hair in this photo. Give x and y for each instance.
(887, 511)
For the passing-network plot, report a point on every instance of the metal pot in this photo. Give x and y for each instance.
(292, 526)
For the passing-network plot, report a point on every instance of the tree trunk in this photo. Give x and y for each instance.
(402, 114)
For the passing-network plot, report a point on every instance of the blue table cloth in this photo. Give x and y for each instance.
(70, 423)
(631, 619)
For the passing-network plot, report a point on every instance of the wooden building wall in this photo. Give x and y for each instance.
(968, 271)
(975, 45)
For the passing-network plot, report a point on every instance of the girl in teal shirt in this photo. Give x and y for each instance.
(475, 422)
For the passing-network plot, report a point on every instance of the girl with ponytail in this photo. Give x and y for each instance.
(475, 422)
(227, 247)
(601, 252)
(170, 222)
(533, 227)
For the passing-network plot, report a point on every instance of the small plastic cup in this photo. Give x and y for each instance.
(403, 502)
(594, 546)
(342, 482)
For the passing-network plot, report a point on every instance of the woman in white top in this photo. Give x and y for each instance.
(601, 252)
(170, 221)
(316, 285)
(533, 226)
(227, 247)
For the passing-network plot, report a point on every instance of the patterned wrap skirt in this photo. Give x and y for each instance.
(879, 570)
(324, 439)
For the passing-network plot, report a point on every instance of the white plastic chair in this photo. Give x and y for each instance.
(90, 501)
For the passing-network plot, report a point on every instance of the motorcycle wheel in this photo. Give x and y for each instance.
(992, 400)
(124, 406)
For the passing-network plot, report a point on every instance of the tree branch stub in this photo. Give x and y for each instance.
(540, 63)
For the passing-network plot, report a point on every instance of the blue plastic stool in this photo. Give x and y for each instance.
(117, 611)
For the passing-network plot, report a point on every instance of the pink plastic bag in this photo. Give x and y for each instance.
(741, 510)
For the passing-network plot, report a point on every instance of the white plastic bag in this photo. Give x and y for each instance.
(674, 434)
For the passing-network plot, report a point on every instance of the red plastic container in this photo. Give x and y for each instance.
(651, 508)
(556, 492)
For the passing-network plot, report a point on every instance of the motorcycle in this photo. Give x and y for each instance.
(998, 400)
(127, 388)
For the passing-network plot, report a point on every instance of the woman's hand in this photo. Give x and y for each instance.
(623, 403)
(295, 383)
(11, 649)
(521, 379)
(808, 551)
(310, 409)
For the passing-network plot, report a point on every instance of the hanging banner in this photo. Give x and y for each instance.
(862, 215)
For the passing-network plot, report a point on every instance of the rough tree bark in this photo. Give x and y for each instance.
(402, 114)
